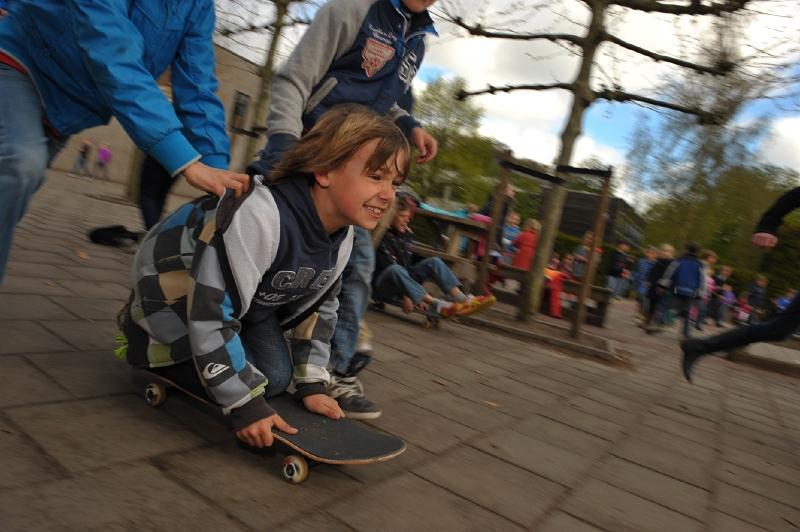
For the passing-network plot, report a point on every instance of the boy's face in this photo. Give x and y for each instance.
(650, 254)
(513, 220)
(418, 6)
(356, 196)
(401, 219)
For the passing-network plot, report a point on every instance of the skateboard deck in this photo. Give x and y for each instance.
(319, 438)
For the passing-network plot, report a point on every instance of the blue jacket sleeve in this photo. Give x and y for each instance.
(194, 89)
(112, 51)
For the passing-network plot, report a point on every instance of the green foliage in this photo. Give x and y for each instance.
(722, 219)
(465, 158)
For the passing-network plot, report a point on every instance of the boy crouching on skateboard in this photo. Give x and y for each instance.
(396, 278)
(216, 284)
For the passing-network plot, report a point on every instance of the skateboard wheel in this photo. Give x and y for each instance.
(295, 469)
(155, 394)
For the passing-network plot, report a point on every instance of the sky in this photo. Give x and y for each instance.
(530, 122)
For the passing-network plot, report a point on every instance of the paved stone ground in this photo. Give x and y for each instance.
(502, 435)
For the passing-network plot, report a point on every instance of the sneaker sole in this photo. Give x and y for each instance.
(475, 309)
(362, 415)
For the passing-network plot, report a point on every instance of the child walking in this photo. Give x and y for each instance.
(216, 283)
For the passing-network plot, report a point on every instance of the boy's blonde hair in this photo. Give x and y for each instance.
(342, 131)
(533, 224)
(666, 250)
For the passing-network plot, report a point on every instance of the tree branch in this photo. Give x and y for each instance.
(720, 69)
(491, 89)
(479, 31)
(615, 95)
(692, 7)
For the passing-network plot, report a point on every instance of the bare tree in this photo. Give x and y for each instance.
(238, 23)
(584, 88)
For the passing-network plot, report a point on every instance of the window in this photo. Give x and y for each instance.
(241, 102)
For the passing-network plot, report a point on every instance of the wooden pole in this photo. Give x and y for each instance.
(591, 268)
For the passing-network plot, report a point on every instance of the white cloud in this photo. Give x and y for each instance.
(782, 148)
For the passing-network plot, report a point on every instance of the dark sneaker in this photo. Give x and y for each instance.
(349, 393)
(692, 350)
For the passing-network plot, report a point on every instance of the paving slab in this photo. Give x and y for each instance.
(39, 271)
(104, 290)
(721, 522)
(31, 307)
(506, 489)
(248, 484)
(665, 461)
(128, 497)
(96, 433)
(562, 435)
(421, 427)
(478, 416)
(761, 484)
(86, 374)
(561, 522)
(611, 508)
(13, 284)
(755, 509)
(23, 336)
(23, 461)
(537, 456)
(411, 503)
(586, 422)
(653, 486)
(85, 335)
(28, 385)
(777, 464)
(87, 308)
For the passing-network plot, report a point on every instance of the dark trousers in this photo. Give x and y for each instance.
(154, 186)
(780, 327)
(685, 305)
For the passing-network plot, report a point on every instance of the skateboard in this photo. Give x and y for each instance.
(319, 440)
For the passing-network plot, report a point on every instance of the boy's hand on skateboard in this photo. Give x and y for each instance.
(215, 181)
(322, 404)
(259, 434)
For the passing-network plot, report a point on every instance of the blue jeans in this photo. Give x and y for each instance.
(396, 281)
(265, 347)
(25, 151)
(353, 300)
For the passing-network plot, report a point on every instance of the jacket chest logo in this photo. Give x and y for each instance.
(375, 55)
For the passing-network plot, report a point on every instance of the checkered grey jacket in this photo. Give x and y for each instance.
(200, 270)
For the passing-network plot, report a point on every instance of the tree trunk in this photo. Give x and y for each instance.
(266, 74)
(582, 97)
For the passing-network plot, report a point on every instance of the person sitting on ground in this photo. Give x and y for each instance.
(396, 279)
(218, 282)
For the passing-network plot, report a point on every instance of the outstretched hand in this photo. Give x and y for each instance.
(765, 240)
(259, 433)
(215, 181)
(322, 404)
(427, 145)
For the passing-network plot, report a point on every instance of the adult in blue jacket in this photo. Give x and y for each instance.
(73, 64)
